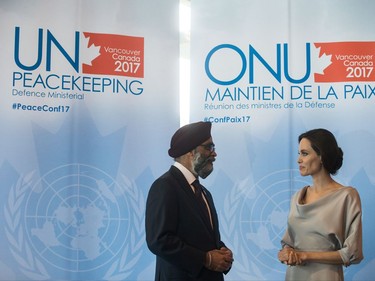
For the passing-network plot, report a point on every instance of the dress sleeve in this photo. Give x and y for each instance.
(287, 239)
(351, 251)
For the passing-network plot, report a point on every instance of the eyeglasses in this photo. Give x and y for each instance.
(210, 147)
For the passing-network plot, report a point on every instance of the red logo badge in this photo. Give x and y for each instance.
(349, 61)
(118, 55)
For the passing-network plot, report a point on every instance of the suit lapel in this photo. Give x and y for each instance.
(191, 197)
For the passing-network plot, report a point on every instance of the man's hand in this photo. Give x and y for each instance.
(219, 260)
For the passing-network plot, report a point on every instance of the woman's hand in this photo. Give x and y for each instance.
(289, 256)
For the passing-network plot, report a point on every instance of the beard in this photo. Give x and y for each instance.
(201, 165)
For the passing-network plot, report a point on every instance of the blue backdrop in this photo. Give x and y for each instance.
(88, 102)
(263, 74)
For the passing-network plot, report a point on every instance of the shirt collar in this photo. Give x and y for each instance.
(187, 174)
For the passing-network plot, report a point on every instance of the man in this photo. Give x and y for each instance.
(181, 223)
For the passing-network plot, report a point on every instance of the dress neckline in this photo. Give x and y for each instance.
(301, 199)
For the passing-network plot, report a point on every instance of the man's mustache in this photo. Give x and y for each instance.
(200, 165)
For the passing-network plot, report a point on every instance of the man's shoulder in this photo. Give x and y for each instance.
(172, 176)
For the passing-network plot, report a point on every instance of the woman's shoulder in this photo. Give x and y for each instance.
(300, 194)
(349, 191)
(302, 191)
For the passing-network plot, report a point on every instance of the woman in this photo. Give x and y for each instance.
(324, 229)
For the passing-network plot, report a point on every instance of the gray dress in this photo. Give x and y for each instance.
(332, 223)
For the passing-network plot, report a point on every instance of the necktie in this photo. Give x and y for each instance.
(199, 196)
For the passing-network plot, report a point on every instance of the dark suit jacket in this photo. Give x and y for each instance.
(177, 232)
